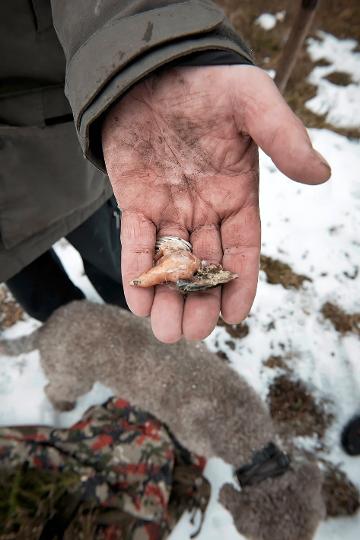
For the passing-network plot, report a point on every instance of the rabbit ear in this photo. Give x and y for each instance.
(290, 506)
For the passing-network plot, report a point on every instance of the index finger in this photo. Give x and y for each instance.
(240, 236)
(138, 236)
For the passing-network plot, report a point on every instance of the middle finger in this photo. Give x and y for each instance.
(202, 309)
(168, 305)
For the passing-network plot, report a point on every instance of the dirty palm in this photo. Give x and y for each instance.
(181, 152)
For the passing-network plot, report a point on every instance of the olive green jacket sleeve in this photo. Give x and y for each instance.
(111, 44)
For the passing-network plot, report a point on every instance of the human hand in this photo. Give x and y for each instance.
(181, 153)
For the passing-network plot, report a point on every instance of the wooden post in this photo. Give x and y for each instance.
(298, 33)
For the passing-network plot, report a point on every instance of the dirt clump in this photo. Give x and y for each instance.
(340, 78)
(342, 321)
(231, 344)
(276, 362)
(280, 273)
(340, 494)
(10, 311)
(239, 331)
(295, 410)
(223, 356)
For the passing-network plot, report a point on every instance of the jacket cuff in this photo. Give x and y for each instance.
(212, 58)
(132, 48)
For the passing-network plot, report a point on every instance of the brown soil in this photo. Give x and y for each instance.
(238, 331)
(339, 77)
(223, 356)
(231, 344)
(295, 410)
(338, 17)
(274, 362)
(10, 311)
(340, 495)
(342, 321)
(281, 273)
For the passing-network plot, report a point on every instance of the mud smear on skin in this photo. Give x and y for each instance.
(342, 321)
(280, 273)
(10, 311)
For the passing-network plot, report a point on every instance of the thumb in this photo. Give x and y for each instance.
(270, 122)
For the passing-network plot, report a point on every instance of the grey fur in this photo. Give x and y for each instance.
(208, 406)
(20, 345)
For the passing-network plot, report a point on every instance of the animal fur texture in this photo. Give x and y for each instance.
(206, 404)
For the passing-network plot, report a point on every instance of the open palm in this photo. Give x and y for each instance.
(181, 153)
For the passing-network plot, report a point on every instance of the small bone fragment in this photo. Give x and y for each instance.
(169, 268)
(207, 277)
(174, 263)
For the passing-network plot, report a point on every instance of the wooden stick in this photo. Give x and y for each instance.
(298, 33)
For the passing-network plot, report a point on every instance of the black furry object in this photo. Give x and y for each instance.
(350, 437)
(266, 463)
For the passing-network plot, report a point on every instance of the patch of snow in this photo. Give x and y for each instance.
(267, 21)
(344, 528)
(340, 104)
(22, 398)
(271, 73)
(74, 267)
(280, 15)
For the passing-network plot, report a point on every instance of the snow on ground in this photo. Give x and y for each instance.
(340, 104)
(316, 231)
(267, 21)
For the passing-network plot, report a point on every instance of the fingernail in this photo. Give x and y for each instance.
(322, 159)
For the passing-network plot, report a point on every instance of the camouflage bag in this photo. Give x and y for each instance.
(118, 474)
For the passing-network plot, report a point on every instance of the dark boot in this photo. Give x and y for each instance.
(350, 437)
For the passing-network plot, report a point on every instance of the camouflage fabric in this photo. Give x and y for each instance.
(116, 474)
